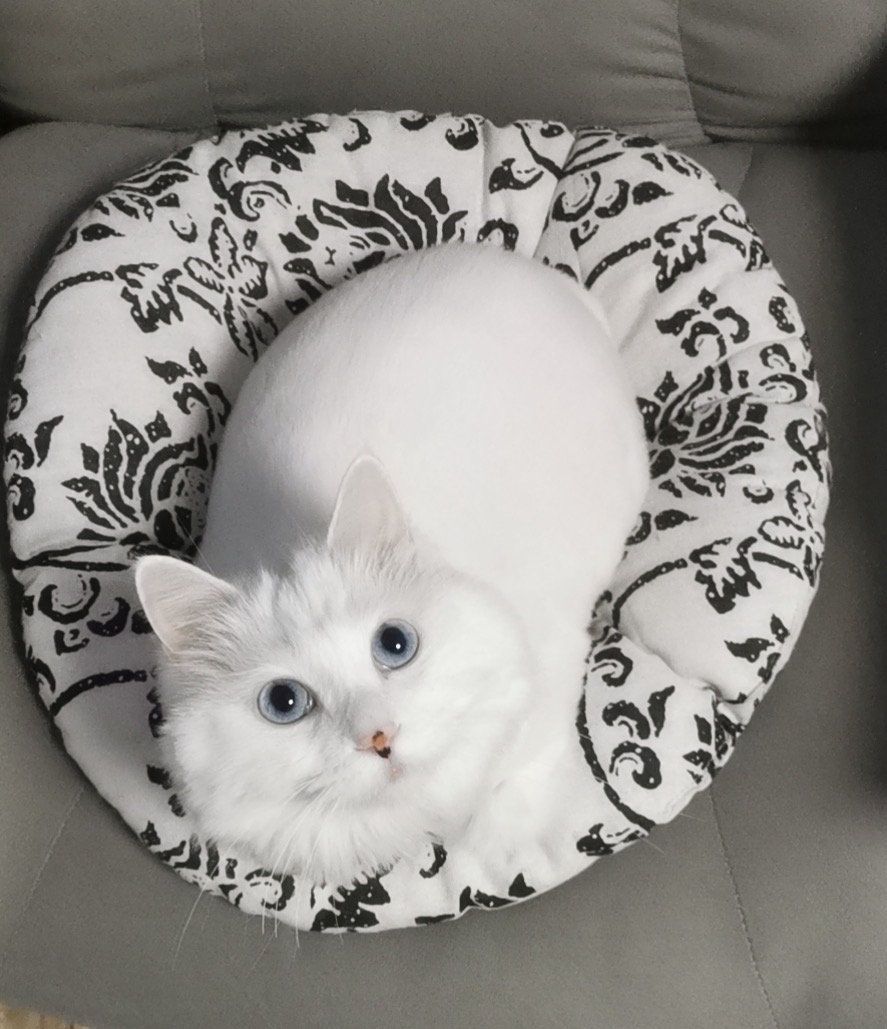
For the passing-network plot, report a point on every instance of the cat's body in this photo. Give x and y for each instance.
(508, 467)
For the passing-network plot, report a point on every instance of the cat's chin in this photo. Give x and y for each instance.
(362, 837)
(343, 861)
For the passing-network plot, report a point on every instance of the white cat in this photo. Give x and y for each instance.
(424, 485)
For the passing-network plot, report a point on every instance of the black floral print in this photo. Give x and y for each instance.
(230, 286)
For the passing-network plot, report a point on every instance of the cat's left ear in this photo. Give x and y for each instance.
(367, 510)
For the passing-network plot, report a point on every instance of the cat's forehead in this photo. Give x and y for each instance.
(323, 588)
(317, 623)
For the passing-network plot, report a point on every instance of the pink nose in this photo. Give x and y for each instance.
(379, 741)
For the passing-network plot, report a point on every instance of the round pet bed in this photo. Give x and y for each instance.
(166, 290)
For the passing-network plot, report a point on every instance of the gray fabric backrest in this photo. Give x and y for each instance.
(681, 70)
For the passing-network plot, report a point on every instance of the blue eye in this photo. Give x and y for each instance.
(285, 701)
(395, 644)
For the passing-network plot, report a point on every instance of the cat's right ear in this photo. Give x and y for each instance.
(367, 510)
(176, 597)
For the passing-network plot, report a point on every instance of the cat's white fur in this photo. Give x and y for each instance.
(448, 439)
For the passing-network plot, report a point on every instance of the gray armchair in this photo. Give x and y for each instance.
(765, 904)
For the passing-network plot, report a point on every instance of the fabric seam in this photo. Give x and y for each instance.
(69, 812)
(743, 920)
(680, 35)
(745, 174)
(201, 43)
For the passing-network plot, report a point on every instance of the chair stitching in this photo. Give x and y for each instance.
(19, 929)
(743, 920)
(748, 165)
(690, 94)
(201, 39)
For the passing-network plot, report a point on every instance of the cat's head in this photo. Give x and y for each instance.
(339, 718)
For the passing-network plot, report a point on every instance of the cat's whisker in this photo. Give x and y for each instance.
(313, 803)
(650, 843)
(335, 808)
(284, 854)
(693, 818)
(304, 787)
(317, 802)
(329, 817)
(304, 880)
(181, 938)
(232, 846)
(198, 551)
(284, 857)
(288, 842)
(262, 952)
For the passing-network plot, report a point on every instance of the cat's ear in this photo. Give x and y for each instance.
(177, 597)
(367, 511)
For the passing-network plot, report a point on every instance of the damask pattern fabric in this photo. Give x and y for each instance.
(163, 294)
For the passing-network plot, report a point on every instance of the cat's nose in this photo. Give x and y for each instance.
(379, 741)
(382, 743)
